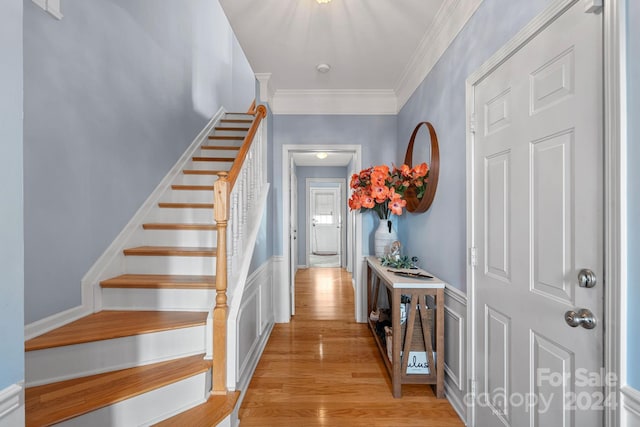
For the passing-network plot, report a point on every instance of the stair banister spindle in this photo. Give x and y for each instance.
(221, 204)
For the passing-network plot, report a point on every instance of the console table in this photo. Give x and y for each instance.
(379, 277)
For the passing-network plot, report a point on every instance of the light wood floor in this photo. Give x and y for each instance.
(323, 369)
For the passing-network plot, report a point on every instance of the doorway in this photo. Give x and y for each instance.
(349, 157)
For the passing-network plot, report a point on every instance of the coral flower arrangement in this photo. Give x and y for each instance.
(381, 189)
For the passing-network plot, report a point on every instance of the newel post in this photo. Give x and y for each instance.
(221, 215)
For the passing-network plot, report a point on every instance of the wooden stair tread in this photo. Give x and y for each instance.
(219, 147)
(170, 226)
(181, 187)
(53, 403)
(170, 251)
(160, 281)
(181, 205)
(230, 138)
(236, 121)
(208, 414)
(110, 324)
(201, 172)
(231, 128)
(213, 159)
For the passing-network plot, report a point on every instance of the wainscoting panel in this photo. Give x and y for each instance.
(630, 407)
(455, 342)
(254, 323)
(12, 406)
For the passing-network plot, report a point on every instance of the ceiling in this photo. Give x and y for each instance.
(376, 49)
(336, 158)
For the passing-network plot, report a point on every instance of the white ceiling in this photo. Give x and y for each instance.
(341, 158)
(372, 46)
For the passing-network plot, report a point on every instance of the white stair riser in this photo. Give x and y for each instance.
(79, 360)
(148, 408)
(240, 132)
(181, 215)
(201, 238)
(188, 196)
(195, 179)
(158, 299)
(218, 153)
(207, 166)
(223, 143)
(170, 265)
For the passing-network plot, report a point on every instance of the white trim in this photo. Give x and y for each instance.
(455, 402)
(629, 406)
(279, 274)
(449, 21)
(615, 141)
(54, 321)
(10, 400)
(557, 8)
(266, 89)
(318, 101)
(283, 287)
(50, 6)
(241, 283)
(455, 294)
(111, 262)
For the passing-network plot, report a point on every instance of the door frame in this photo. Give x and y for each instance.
(614, 190)
(342, 184)
(355, 249)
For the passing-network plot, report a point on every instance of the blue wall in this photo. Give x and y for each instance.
(114, 93)
(11, 222)
(438, 237)
(633, 191)
(304, 172)
(376, 134)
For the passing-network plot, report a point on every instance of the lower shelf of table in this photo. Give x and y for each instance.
(404, 378)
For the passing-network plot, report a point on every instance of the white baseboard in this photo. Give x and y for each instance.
(47, 324)
(12, 406)
(111, 262)
(456, 403)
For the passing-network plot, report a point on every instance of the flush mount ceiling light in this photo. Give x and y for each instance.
(323, 1)
(323, 68)
(321, 155)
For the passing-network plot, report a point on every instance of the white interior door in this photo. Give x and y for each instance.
(537, 222)
(325, 221)
(293, 232)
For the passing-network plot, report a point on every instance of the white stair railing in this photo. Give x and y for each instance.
(235, 196)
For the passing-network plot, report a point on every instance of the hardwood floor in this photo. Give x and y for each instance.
(324, 369)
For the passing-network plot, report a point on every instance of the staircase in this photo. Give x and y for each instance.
(142, 358)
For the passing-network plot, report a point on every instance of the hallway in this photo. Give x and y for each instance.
(323, 369)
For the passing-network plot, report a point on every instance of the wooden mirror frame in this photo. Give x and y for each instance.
(414, 204)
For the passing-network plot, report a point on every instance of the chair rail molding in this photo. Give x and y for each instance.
(50, 6)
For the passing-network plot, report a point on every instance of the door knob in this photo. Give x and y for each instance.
(586, 278)
(582, 317)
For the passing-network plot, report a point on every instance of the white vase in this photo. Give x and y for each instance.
(384, 237)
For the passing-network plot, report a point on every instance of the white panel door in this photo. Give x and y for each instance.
(538, 221)
(325, 221)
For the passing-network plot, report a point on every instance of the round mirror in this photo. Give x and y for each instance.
(423, 147)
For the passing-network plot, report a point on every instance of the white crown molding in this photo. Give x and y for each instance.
(449, 21)
(356, 102)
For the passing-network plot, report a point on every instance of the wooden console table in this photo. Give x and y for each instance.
(418, 290)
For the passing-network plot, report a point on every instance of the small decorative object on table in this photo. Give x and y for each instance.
(381, 190)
